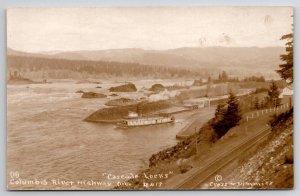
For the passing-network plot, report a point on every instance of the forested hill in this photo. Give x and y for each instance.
(224, 57)
(237, 61)
(38, 67)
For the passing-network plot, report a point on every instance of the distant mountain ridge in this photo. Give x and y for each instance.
(252, 59)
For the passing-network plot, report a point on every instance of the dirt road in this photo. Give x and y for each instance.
(196, 121)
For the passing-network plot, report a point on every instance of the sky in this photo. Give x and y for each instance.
(152, 28)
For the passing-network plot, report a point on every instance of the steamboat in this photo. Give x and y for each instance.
(134, 120)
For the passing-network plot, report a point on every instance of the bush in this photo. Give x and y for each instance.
(185, 168)
(276, 119)
(289, 157)
(260, 90)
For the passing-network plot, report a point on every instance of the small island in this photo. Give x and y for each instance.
(92, 95)
(130, 87)
(17, 78)
(120, 102)
(157, 87)
(116, 114)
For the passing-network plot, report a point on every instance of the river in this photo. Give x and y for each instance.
(48, 139)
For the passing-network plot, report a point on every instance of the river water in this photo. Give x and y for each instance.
(48, 139)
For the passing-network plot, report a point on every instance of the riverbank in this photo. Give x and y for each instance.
(23, 81)
(188, 155)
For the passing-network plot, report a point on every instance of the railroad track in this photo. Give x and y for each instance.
(212, 165)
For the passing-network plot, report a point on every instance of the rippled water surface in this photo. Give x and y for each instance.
(47, 137)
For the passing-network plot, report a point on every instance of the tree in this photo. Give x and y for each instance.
(226, 116)
(208, 86)
(286, 70)
(256, 103)
(254, 79)
(220, 111)
(273, 94)
(262, 104)
(209, 79)
(223, 77)
(232, 114)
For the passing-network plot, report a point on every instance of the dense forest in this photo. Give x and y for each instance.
(36, 67)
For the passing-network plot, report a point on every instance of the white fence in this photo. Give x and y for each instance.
(259, 113)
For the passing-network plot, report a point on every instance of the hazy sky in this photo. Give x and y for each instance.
(69, 29)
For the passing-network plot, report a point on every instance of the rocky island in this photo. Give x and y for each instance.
(130, 87)
(120, 102)
(92, 95)
(115, 114)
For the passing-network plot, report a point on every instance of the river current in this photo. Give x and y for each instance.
(47, 137)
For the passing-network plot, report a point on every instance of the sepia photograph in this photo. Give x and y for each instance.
(150, 98)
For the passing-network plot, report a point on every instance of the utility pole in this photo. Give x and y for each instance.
(196, 141)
